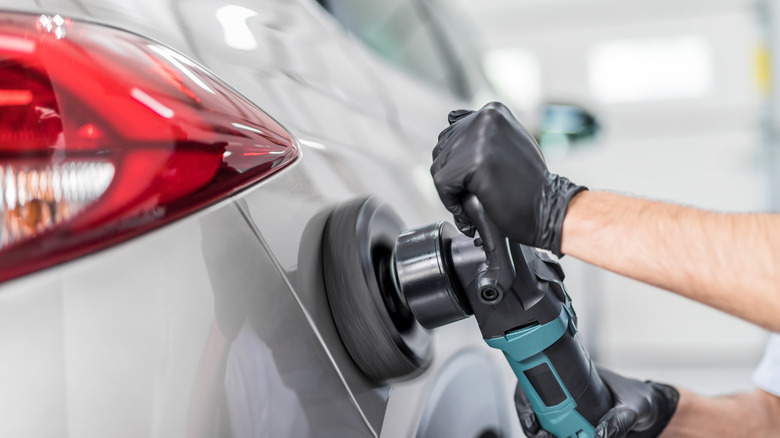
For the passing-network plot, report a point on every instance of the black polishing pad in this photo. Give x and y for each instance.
(373, 320)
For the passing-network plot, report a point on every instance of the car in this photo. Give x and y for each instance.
(168, 168)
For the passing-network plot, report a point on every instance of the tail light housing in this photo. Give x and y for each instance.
(105, 135)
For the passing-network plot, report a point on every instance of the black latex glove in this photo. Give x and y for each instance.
(642, 409)
(490, 154)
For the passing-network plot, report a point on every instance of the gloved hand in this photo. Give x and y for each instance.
(490, 154)
(642, 409)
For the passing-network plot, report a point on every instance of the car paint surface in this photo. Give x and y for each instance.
(219, 322)
(131, 341)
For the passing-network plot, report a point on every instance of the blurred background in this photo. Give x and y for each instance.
(661, 99)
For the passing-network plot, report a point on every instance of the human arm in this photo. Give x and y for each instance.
(747, 414)
(752, 414)
(727, 261)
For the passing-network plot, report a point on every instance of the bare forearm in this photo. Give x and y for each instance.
(750, 414)
(728, 261)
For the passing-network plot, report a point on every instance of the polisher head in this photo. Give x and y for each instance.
(372, 317)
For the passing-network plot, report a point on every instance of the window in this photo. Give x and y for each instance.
(399, 31)
(650, 69)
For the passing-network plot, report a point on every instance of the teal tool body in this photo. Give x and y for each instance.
(551, 399)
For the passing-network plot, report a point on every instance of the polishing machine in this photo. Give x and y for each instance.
(389, 287)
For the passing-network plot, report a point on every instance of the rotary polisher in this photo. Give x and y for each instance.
(388, 288)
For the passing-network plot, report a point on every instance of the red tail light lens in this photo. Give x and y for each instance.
(105, 135)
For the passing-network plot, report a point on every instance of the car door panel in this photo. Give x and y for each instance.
(187, 329)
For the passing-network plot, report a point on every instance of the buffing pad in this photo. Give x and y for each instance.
(372, 318)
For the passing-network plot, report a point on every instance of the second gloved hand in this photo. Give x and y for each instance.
(490, 154)
(641, 410)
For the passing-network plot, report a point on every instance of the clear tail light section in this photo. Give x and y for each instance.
(105, 135)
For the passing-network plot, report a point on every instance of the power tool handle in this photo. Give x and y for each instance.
(559, 380)
(500, 273)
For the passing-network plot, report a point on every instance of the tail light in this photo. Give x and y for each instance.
(105, 135)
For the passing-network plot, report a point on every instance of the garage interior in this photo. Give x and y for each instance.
(682, 92)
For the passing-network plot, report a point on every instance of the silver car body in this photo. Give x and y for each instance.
(122, 342)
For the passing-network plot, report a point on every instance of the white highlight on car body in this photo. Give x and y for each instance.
(312, 144)
(236, 32)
